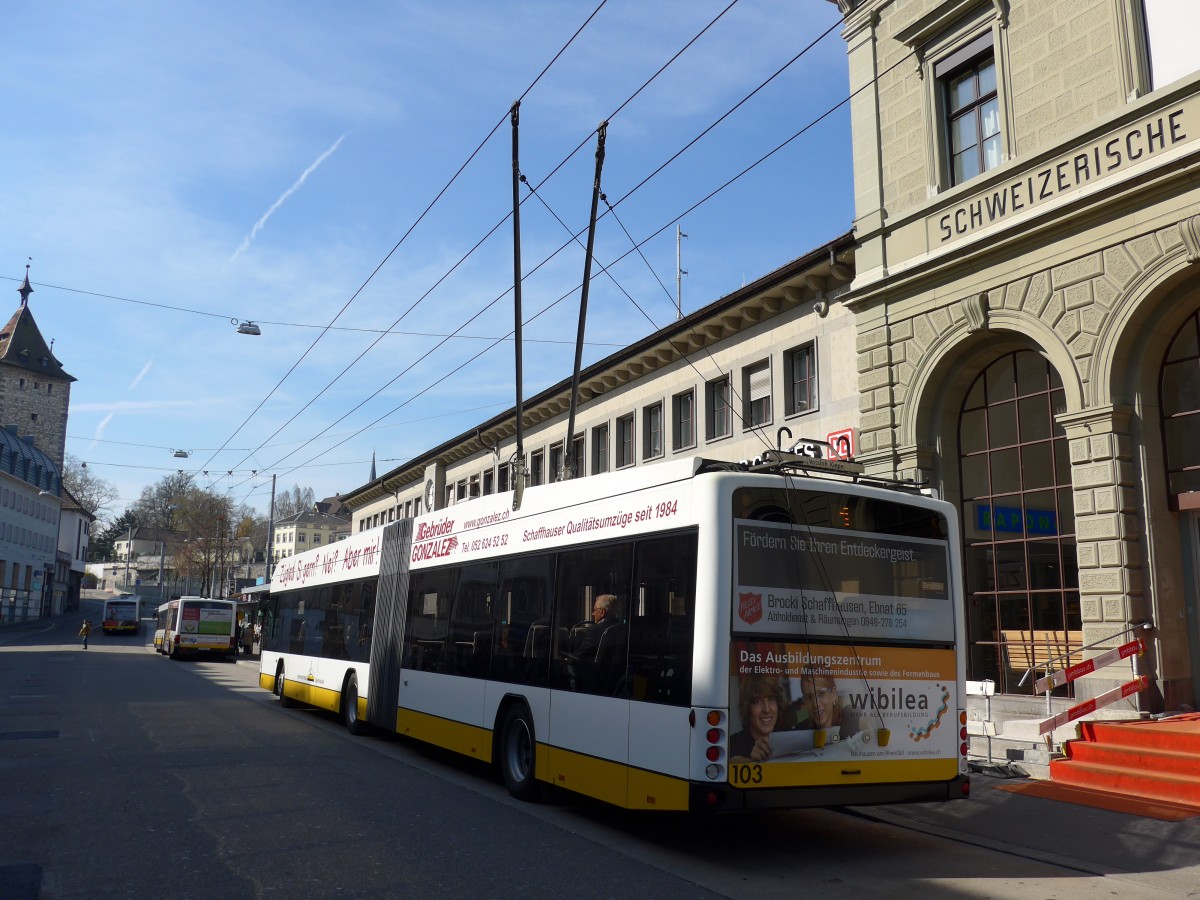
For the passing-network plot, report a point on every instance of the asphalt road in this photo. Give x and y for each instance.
(124, 774)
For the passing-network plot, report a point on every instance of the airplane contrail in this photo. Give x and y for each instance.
(258, 226)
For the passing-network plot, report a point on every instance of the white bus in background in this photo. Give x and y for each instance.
(190, 626)
(121, 615)
(778, 638)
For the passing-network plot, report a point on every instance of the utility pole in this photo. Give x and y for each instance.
(679, 273)
(128, 553)
(270, 533)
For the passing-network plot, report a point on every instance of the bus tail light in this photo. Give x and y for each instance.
(715, 737)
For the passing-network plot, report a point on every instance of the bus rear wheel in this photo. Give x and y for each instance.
(350, 718)
(284, 700)
(518, 753)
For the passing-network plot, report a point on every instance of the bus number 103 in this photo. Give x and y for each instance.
(743, 774)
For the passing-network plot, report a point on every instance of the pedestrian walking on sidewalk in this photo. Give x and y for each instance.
(84, 630)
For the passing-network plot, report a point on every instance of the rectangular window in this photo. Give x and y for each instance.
(718, 413)
(536, 466)
(683, 420)
(460, 490)
(502, 484)
(652, 431)
(625, 441)
(578, 457)
(756, 394)
(556, 462)
(971, 102)
(600, 449)
(489, 482)
(800, 366)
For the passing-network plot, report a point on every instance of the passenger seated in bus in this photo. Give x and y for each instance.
(820, 707)
(605, 615)
(760, 700)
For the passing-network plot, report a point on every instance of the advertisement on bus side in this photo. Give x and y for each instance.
(796, 706)
(835, 583)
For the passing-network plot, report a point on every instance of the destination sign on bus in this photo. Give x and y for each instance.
(838, 583)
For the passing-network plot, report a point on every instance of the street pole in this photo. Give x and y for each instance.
(128, 553)
(162, 558)
(270, 533)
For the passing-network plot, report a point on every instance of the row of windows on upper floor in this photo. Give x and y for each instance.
(748, 398)
(30, 506)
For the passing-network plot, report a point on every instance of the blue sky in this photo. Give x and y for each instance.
(171, 166)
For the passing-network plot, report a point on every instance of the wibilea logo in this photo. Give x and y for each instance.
(750, 607)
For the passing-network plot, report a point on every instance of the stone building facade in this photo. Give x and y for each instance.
(35, 390)
(1026, 297)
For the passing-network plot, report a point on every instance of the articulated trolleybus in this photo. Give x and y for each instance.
(691, 635)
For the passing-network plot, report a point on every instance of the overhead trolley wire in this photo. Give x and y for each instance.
(482, 240)
(574, 238)
(403, 238)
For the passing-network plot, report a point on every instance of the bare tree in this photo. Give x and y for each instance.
(90, 491)
(288, 503)
(159, 504)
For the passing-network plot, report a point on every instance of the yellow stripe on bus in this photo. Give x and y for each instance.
(468, 740)
(840, 773)
(609, 781)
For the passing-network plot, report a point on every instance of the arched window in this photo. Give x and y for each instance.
(1179, 399)
(1018, 515)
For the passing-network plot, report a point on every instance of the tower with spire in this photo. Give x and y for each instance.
(35, 390)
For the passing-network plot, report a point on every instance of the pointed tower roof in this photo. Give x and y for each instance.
(22, 344)
(372, 478)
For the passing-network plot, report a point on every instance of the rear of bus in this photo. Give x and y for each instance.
(120, 616)
(201, 626)
(839, 644)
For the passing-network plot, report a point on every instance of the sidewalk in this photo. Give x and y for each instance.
(1162, 852)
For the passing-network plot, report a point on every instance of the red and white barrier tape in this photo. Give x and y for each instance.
(1082, 709)
(1061, 677)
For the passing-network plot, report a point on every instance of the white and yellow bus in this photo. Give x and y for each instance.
(190, 626)
(685, 636)
(121, 615)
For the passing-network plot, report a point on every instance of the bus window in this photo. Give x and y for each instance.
(429, 596)
(521, 645)
(662, 620)
(470, 633)
(591, 651)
